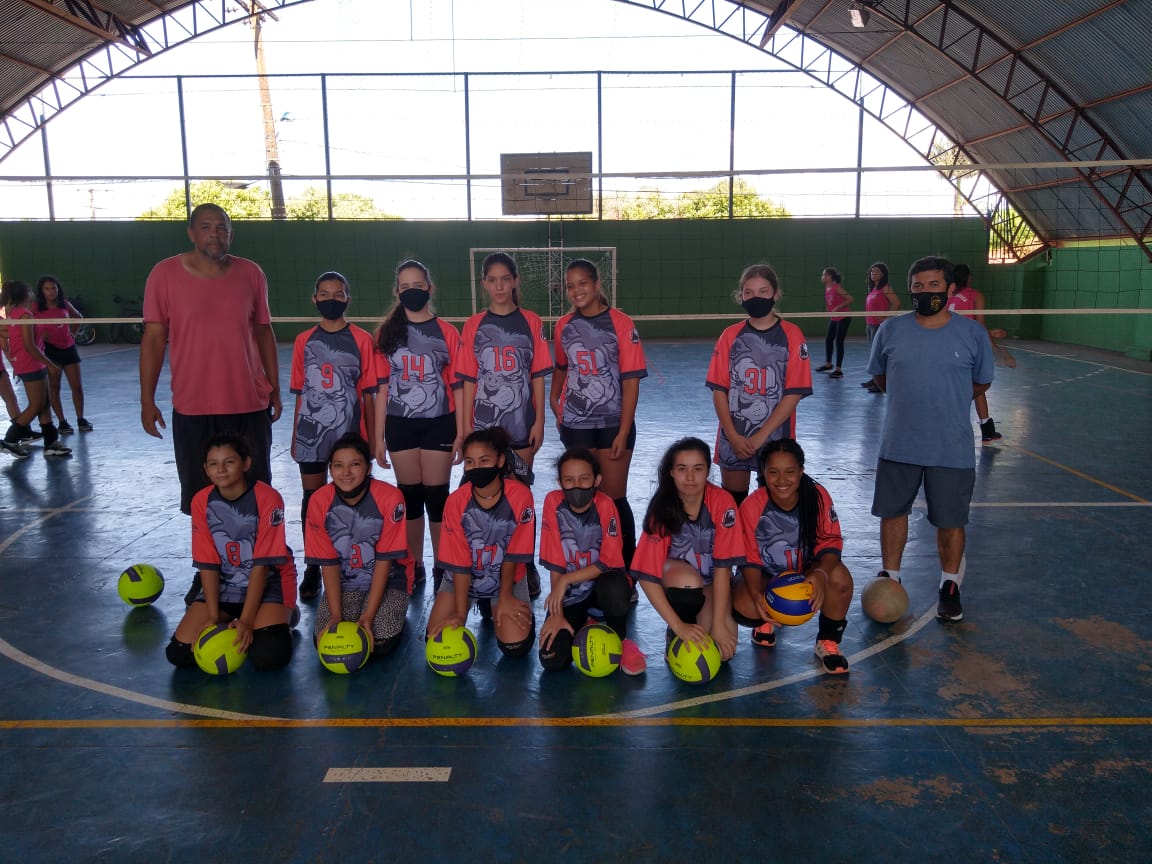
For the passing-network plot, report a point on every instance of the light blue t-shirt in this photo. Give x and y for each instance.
(929, 378)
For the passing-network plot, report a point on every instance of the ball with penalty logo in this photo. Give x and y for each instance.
(691, 663)
(344, 648)
(140, 585)
(596, 650)
(216, 651)
(451, 652)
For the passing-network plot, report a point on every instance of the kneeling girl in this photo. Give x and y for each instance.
(247, 577)
(356, 535)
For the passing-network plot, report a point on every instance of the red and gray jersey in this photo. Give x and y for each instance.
(421, 375)
(757, 368)
(772, 535)
(501, 355)
(232, 537)
(714, 539)
(571, 541)
(596, 354)
(330, 372)
(355, 536)
(477, 541)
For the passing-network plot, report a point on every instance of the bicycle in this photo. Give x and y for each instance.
(133, 331)
(83, 332)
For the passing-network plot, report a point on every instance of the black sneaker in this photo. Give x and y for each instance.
(13, 448)
(988, 432)
(533, 577)
(420, 576)
(83, 425)
(27, 434)
(949, 608)
(437, 578)
(65, 427)
(194, 591)
(310, 584)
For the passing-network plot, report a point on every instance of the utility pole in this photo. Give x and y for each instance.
(271, 149)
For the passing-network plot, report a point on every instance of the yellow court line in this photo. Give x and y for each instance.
(1079, 474)
(579, 722)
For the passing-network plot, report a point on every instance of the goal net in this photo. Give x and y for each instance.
(542, 275)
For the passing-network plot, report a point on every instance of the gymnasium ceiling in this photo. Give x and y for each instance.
(1052, 83)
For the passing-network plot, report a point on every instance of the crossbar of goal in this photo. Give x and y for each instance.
(541, 271)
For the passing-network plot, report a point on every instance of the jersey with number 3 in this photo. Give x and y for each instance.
(772, 535)
(478, 541)
(232, 537)
(714, 539)
(355, 536)
(596, 354)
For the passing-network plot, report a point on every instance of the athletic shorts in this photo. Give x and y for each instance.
(190, 431)
(948, 492)
(62, 356)
(411, 433)
(307, 468)
(595, 439)
(519, 590)
(38, 375)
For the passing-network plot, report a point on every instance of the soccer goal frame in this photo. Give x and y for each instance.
(542, 275)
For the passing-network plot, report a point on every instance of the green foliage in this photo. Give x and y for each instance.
(710, 203)
(255, 202)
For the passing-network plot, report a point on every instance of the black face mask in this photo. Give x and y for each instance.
(414, 299)
(758, 307)
(481, 477)
(331, 310)
(578, 497)
(355, 493)
(930, 302)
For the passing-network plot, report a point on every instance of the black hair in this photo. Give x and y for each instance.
(41, 300)
(227, 439)
(961, 273)
(393, 332)
(577, 454)
(593, 272)
(352, 441)
(331, 276)
(932, 262)
(834, 273)
(215, 208)
(498, 440)
(808, 503)
(14, 293)
(883, 268)
(509, 262)
(666, 511)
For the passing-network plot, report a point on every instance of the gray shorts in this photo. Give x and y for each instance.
(519, 590)
(389, 620)
(948, 492)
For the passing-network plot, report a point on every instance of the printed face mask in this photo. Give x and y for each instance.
(930, 302)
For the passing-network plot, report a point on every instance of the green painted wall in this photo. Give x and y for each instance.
(683, 268)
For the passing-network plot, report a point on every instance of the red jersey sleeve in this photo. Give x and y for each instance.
(632, 363)
(750, 512)
(383, 368)
(466, 369)
(651, 553)
(561, 359)
(728, 545)
(522, 543)
(296, 381)
(271, 545)
(204, 554)
(393, 540)
(611, 543)
(452, 340)
(551, 549)
(798, 376)
(719, 372)
(541, 356)
(828, 537)
(454, 552)
(318, 548)
(369, 377)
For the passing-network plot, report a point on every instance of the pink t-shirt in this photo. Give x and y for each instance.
(876, 301)
(211, 323)
(962, 301)
(832, 299)
(23, 363)
(59, 334)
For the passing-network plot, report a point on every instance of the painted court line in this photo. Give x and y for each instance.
(387, 775)
(1079, 505)
(1079, 474)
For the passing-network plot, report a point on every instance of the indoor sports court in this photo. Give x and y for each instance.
(1022, 733)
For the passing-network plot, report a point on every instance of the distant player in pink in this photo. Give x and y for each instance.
(791, 525)
(334, 379)
(596, 385)
(758, 375)
(25, 349)
(54, 309)
(417, 421)
(968, 299)
(878, 297)
(245, 566)
(836, 299)
(692, 539)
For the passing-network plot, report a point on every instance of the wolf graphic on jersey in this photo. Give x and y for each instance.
(502, 382)
(232, 534)
(755, 386)
(416, 388)
(330, 405)
(694, 543)
(580, 537)
(488, 533)
(357, 559)
(592, 379)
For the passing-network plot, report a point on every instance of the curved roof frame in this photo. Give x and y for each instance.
(123, 46)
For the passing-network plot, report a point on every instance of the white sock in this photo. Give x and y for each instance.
(894, 575)
(958, 577)
(983, 420)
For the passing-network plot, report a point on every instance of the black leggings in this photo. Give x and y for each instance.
(837, 330)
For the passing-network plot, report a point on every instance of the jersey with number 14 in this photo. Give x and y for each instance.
(596, 354)
(232, 537)
(420, 375)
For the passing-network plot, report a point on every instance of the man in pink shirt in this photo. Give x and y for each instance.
(211, 308)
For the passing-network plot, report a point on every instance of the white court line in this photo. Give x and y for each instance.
(387, 775)
(870, 651)
(1078, 360)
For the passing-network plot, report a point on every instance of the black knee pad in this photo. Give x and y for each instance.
(686, 602)
(180, 654)
(271, 647)
(559, 656)
(384, 647)
(613, 592)
(434, 498)
(521, 648)
(413, 500)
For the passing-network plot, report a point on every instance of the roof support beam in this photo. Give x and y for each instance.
(99, 22)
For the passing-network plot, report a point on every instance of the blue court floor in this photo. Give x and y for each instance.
(1023, 733)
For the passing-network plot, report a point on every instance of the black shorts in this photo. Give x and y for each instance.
(38, 375)
(312, 468)
(595, 439)
(62, 356)
(409, 433)
(190, 431)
